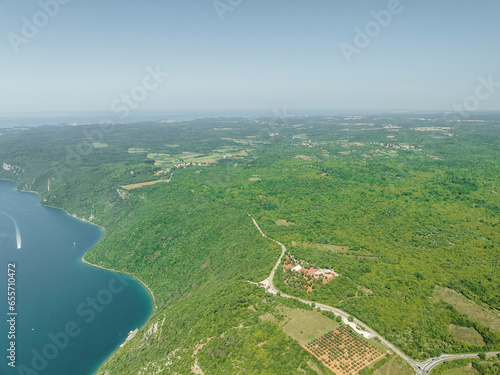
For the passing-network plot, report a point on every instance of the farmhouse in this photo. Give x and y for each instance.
(325, 273)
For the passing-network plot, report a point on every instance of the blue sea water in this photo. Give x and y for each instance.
(95, 117)
(67, 317)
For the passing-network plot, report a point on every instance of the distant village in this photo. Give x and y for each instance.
(184, 165)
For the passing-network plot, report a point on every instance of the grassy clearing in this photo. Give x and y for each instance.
(315, 368)
(490, 366)
(267, 317)
(467, 307)
(164, 159)
(135, 150)
(466, 334)
(225, 150)
(335, 249)
(304, 325)
(99, 145)
(284, 223)
(466, 370)
(378, 345)
(303, 157)
(365, 291)
(395, 366)
(247, 142)
(141, 184)
(301, 136)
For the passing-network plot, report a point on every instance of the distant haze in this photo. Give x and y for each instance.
(115, 55)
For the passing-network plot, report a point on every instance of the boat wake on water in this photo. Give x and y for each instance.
(18, 231)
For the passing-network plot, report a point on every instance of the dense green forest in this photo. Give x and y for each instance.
(416, 202)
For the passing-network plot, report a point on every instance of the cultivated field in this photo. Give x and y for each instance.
(168, 160)
(343, 351)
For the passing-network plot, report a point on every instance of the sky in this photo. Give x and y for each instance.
(126, 56)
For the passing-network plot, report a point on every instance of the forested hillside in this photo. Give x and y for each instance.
(399, 206)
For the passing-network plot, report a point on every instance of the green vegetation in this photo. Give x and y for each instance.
(414, 211)
(388, 366)
(467, 307)
(468, 334)
(489, 366)
(377, 365)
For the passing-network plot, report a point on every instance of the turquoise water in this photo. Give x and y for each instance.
(70, 316)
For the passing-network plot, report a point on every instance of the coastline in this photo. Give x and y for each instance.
(89, 222)
(135, 277)
(125, 273)
(91, 264)
(107, 269)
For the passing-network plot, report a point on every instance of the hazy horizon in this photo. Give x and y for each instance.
(95, 117)
(126, 56)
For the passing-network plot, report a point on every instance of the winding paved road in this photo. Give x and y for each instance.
(421, 368)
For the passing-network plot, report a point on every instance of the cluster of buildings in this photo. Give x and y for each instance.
(183, 165)
(444, 129)
(402, 146)
(316, 272)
